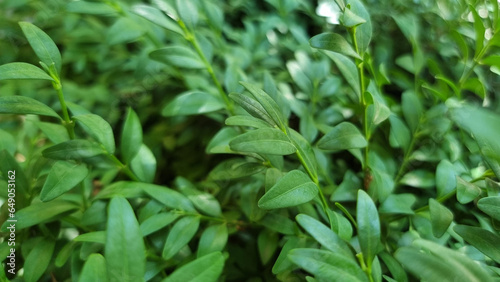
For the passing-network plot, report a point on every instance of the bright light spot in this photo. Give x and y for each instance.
(488, 34)
(329, 10)
(20, 158)
(483, 13)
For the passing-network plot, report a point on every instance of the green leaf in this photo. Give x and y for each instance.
(343, 136)
(215, 15)
(57, 133)
(41, 213)
(282, 262)
(7, 143)
(205, 202)
(479, 29)
(252, 107)
(246, 121)
(419, 178)
(333, 42)
(188, 12)
(306, 152)
(25, 105)
(124, 30)
(62, 177)
(441, 217)
(178, 56)
(279, 223)
(235, 168)
(93, 237)
(204, 269)
(92, 8)
(99, 129)
(475, 85)
(94, 269)
(482, 239)
(220, 142)
(466, 191)
(394, 267)
(181, 233)
(126, 189)
(167, 196)
(192, 103)
(412, 109)
(144, 164)
(363, 31)
(77, 149)
(22, 71)
(124, 250)
(157, 17)
(271, 107)
(350, 19)
(293, 189)
(368, 227)
(398, 203)
(267, 243)
(325, 236)
(9, 163)
(263, 141)
(348, 70)
(131, 138)
(213, 239)
(64, 254)
(400, 136)
(446, 180)
(378, 111)
(490, 206)
(300, 77)
(42, 44)
(325, 265)
(157, 222)
(439, 263)
(38, 260)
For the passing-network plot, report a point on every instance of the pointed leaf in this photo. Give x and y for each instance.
(246, 121)
(490, 206)
(412, 109)
(168, 197)
(466, 191)
(213, 239)
(157, 222)
(178, 56)
(441, 217)
(99, 129)
(192, 103)
(263, 141)
(144, 164)
(94, 269)
(188, 12)
(293, 189)
(42, 44)
(252, 107)
(368, 227)
(271, 107)
(157, 17)
(77, 149)
(342, 137)
(22, 71)
(348, 69)
(25, 105)
(482, 239)
(400, 204)
(179, 236)
(131, 138)
(204, 269)
(235, 168)
(38, 260)
(333, 42)
(62, 177)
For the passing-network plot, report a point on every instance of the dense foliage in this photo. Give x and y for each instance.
(289, 140)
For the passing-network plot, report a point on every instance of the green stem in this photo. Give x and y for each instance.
(191, 38)
(67, 121)
(123, 167)
(406, 158)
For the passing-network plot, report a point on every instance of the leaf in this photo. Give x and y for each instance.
(157, 17)
(325, 265)
(398, 204)
(23, 186)
(57, 133)
(490, 206)
(188, 12)
(377, 112)
(350, 19)
(94, 269)
(22, 71)
(42, 44)
(441, 217)
(214, 14)
(213, 239)
(192, 103)
(299, 77)
(41, 213)
(38, 260)
(92, 8)
(267, 243)
(363, 31)
(279, 223)
(62, 177)
(368, 227)
(204, 269)
(466, 191)
(333, 42)
(220, 142)
(263, 141)
(250, 121)
(293, 189)
(144, 164)
(325, 236)
(205, 202)
(482, 239)
(412, 109)
(400, 136)
(99, 129)
(235, 168)
(126, 189)
(270, 106)
(178, 56)
(474, 85)
(131, 138)
(282, 262)
(480, 31)
(157, 222)
(394, 267)
(124, 30)
(24, 105)
(419, 178)
(252, 107)
(348, 70)
(343, 136)
(93, 237)
(168, 197)
(124, 250)
(446, 180)
(306, 152)
(77, 149)
(181, 233)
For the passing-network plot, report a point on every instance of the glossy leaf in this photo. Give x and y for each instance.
(368, 227)
(482, 239)
(144, 164)
(205, 202)
(293, 189)
(77, 149)
(178, 56)
(57, 133)
(252, 107)
(207, 269)
(157, 17)
(333, 42)
(22, 71)
(441, 217)
(263, 141)
(38, 260)
(157, 222)
(25, 105)
(94, 237)
(270, 106)
(131, 138)
(181, 233)
(412, 109)
(479, 29)
(62, 177)
(168, 197)
(348, 69)
(398, 203)
(246, 121)
(466, 191)
(192, 103)
(235, 168)
(490, 206)
(94, 269)
(124, 250)
(400, 136)
(220, 142)
(188, 12)
(213, 239)
(99, 129)
(363, 31)
(446, 180)
(342, 137)
(42, 44)
(267, 243)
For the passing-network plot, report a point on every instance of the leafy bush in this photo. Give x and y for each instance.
(281, 140)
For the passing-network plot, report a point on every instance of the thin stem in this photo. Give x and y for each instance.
(406, 158)
(123, 167)
(67, 121)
